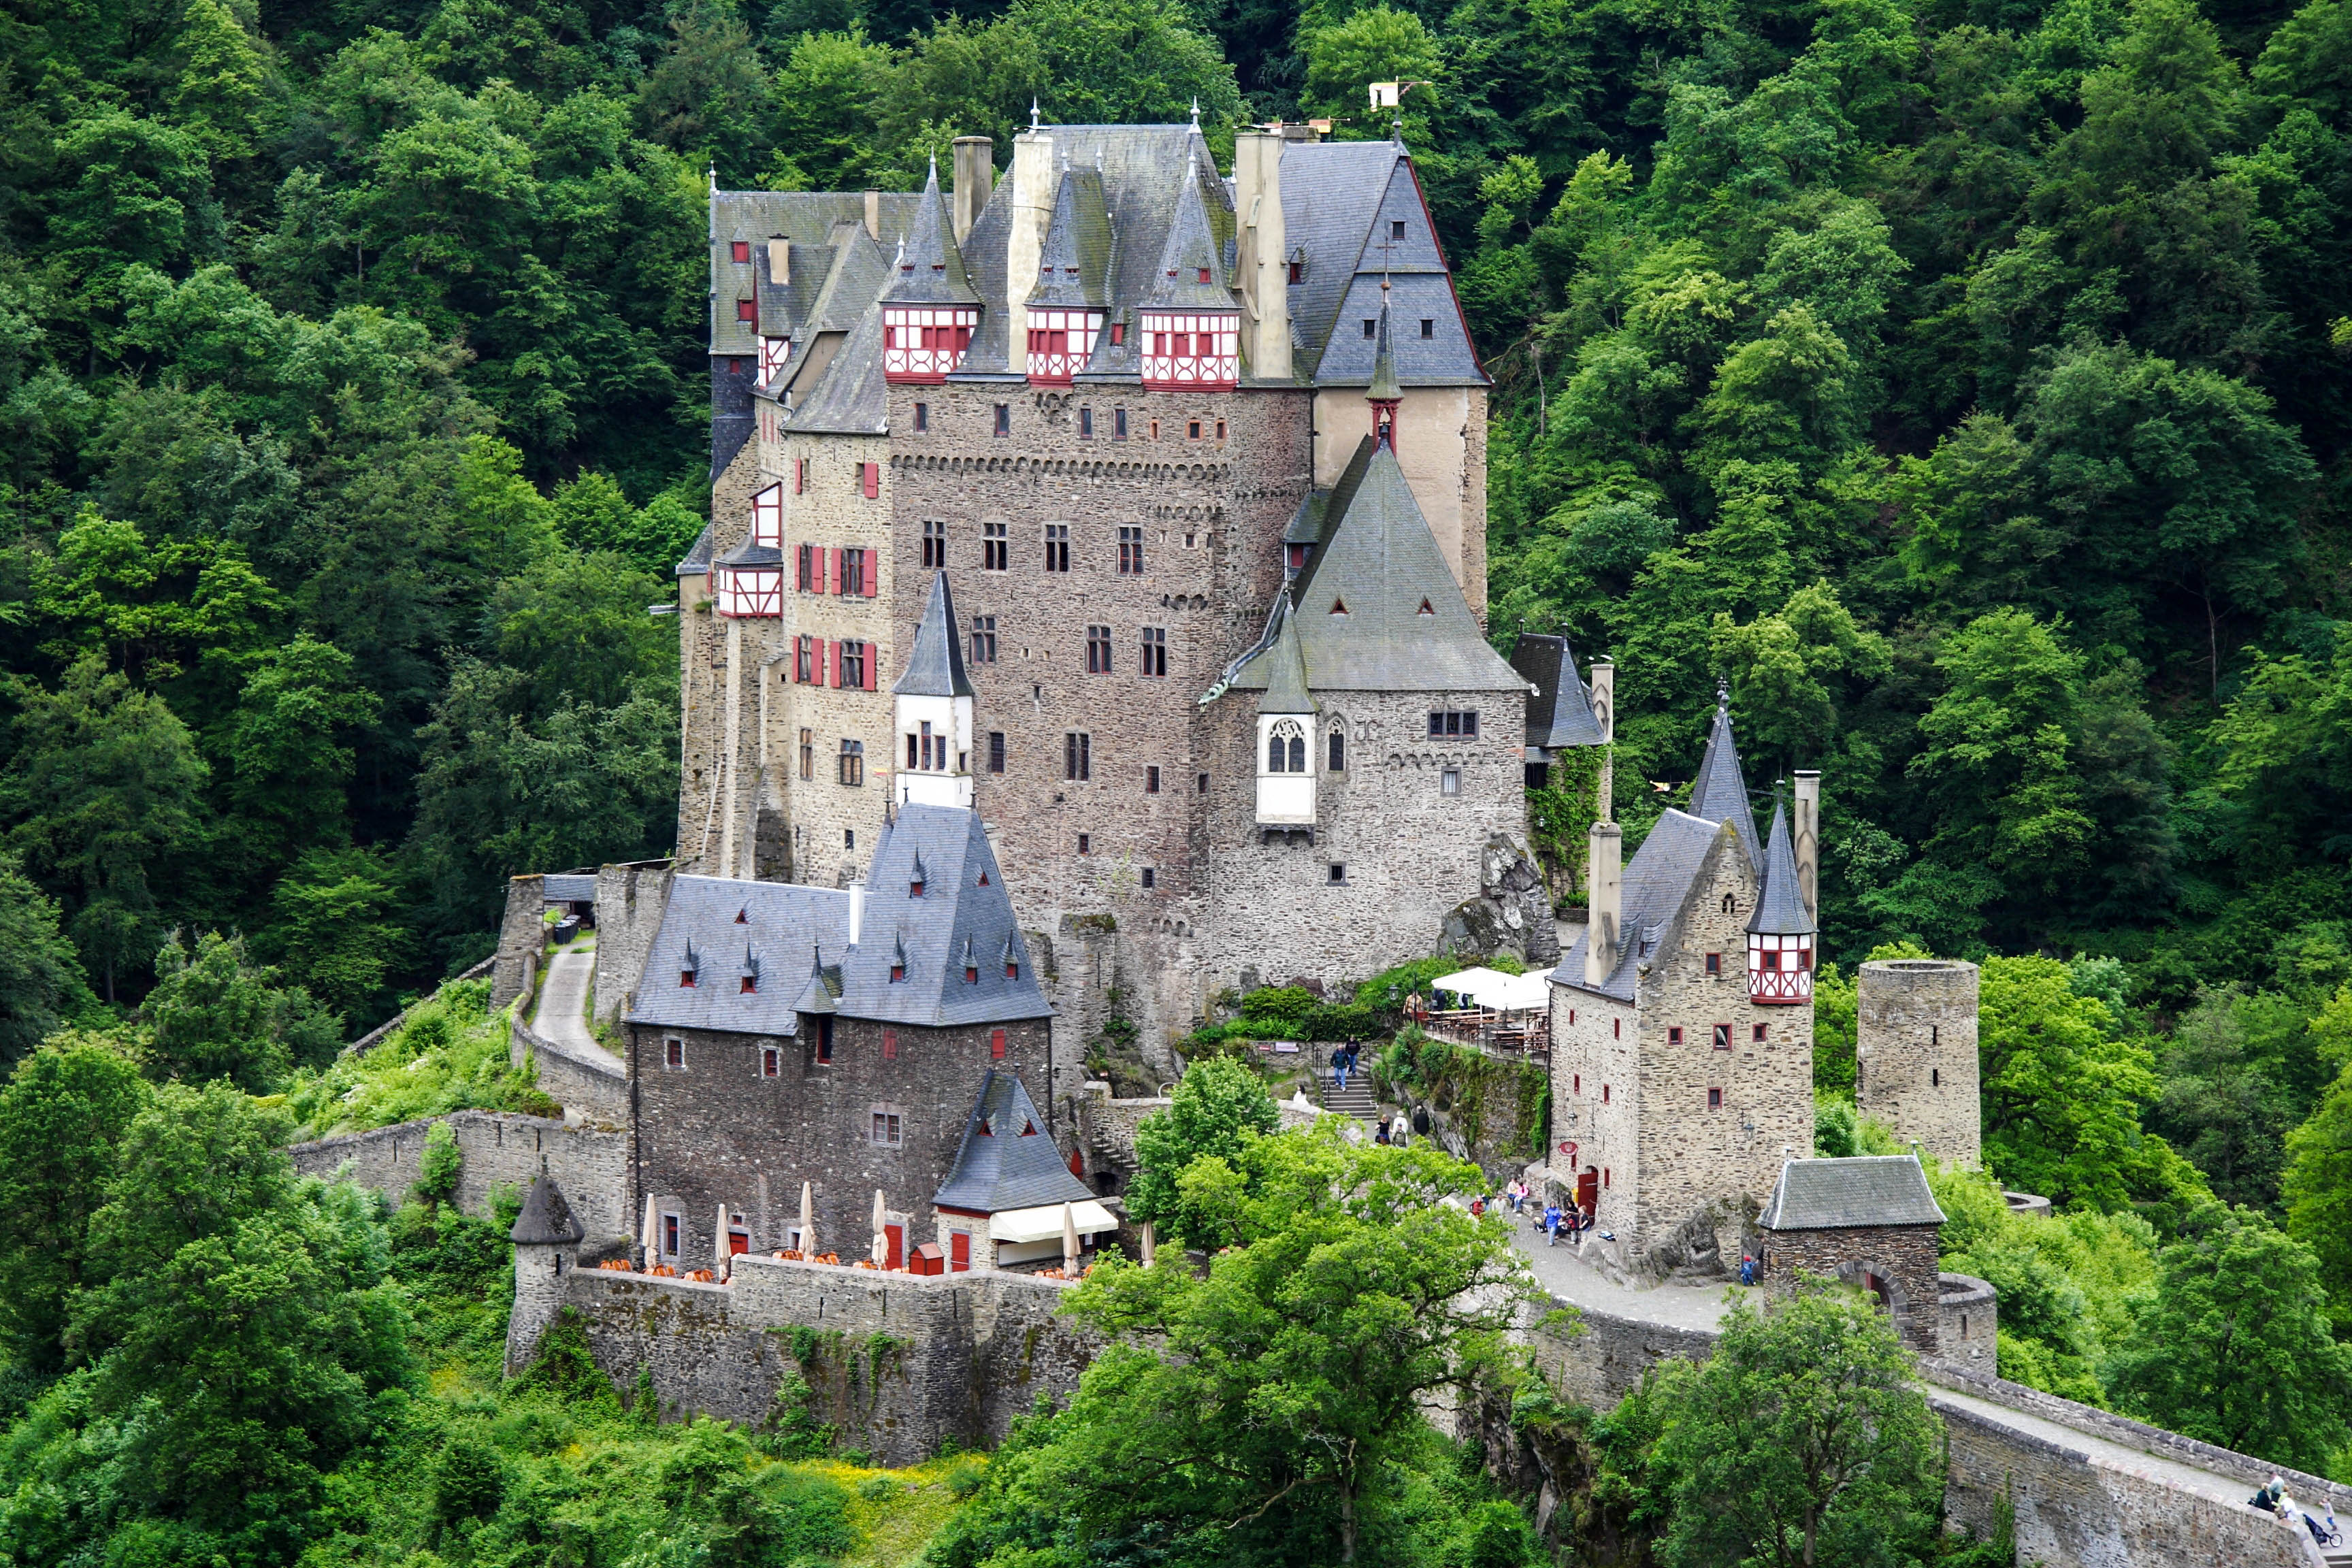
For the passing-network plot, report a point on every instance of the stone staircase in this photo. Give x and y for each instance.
(1354, 1101)
(2336, 1556)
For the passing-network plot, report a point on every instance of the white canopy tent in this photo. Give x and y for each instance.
(1046, 1220)
(1493, 988)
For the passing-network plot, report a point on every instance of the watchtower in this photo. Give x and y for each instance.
(1916, 1053)
(546, 1238)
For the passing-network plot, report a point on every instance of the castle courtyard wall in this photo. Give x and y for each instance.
(499, 1148)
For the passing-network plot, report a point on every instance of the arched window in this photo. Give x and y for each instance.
(1286, 747)
(1339, 751)
(1274, 753)
(1297, 753)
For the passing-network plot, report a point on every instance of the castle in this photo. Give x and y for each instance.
(1140, 510)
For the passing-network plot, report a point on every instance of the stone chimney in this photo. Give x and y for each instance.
(873, 214)
(856, 911)
(1264, 270)
(1604, 894)
(1034, 183)
(780, 261)
(975, 175)
(1808, 826)
(1600, 680)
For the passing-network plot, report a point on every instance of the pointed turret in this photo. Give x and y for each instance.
(933, 707)
(1192, 322)
(929, 267)
(1074, 261)
(1286, 682)
(1780, 932)
(1384, 393)
(1721, 793)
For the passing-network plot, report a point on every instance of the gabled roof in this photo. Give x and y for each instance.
(1780, 902)
(1720, 793)
(1836, 1194)
(1377, 609)
(1194, 245)
(929, 267)
(785, 303)
(851, 398)
(1656, 886)
(1073, 264)
(1006, 1161)
(935, 662)
(963, 902)
(1560, 713)
(697, 555)
(546, 1219)
(803, 217)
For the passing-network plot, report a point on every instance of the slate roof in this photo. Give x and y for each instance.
(1836, 1194)
(803, 217)
(935, 662)
(1286, 686)
(1656, 885)
(1721, 793)
(1360, 603)
(1384, 388)
(784, 306)
(697, 555)
(930, 269)
(1560, 713)
(1781, 905)
(1007, 1160)
(568, 886)
(851, 398)
(546, 1219)
(800, 936)
(1195, 244)
(1076, 257)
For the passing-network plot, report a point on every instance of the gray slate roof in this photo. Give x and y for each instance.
(697, 555)
(784, 306)
(1560, 713)
(1656, 884)
(930, 269)
(568, 886)
(804, 217)
(799, 935)
(1075, 256)
(935, 661)
(851, 398)
(1197, 233)
(546, 1219)
(1834, 1194)
(1780, 904)
(1007, 1160)
(1720, 794)
(1360, 617)
(1285, 685)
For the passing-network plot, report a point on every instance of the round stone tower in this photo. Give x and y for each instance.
(546, 1239)
(1914, 1063)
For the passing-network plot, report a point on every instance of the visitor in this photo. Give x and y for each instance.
(1341, 1061)
(1748, 1270)
(1380, 1133)
(1477, 1208)
(1551, 1226)
(2267, 1499)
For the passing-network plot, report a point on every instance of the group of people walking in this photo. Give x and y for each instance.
(2275, 1499)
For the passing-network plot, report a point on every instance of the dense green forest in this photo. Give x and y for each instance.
(1968, 383)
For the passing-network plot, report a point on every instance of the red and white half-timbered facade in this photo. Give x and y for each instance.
(1192, 348)
(924, 342)
(1061, 342)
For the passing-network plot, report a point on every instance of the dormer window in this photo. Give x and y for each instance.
(685, 978)
(1426, 609)
(1339, 606)
(742, 916)
(1204, 274)
(897, 973)
(924, 342)
(750, 985)
(914, 889)
(1190, 348)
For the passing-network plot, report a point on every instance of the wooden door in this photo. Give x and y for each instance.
(959, 1252)
(895, 1236)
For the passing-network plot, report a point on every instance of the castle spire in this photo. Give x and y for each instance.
(1721, 793)
(1384, 393)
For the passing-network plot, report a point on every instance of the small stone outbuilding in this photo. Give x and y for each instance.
(1871, 1222)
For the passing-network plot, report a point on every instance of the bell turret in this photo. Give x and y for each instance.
(1780, 933)
(934, 703)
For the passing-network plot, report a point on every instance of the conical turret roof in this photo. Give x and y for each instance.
(1721, 793)
(1194, 246)
(929, 270)
(1780, 907)
(1073, 265)
(935, 663)
(546, 1219)
(1286, 680)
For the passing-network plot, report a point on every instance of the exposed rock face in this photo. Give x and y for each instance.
(1512, 912)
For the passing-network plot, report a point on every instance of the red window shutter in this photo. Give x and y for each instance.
(833, 652)
(996, 1043)
(872, 659)
(873, 481)
(837, 569)
(873, 573)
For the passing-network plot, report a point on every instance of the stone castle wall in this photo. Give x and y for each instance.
(1901, 1259)
(1916, 1053)
(896, 1364)
(592, 1092)
(630, 901)
(499, 1149)
(1407, 851)
(523, 934)
(719, 1131)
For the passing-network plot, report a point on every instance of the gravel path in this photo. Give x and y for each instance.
(563, 1003)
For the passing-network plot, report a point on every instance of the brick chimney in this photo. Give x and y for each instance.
(1604, 894)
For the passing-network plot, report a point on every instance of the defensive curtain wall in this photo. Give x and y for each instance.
(2089, 1488)
(894, 1364)
(499, 1148)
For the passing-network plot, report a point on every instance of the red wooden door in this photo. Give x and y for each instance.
(738, 1242)
(959, 1252)
(895, 1236)
(1588, 1191)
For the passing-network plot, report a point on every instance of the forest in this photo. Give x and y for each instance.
(1965, 383)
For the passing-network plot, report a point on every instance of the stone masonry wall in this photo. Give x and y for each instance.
(1901, 1259)
(499, 1148)
(1916, 1053)
(522, 933)
(899, 1364)
(630, 900)
(717, 1130)
(1969, 1321)
(592, 1092)
(1596, 1096)
(1407, 851)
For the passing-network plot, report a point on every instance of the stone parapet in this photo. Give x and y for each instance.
(593, 1089)
(498, 1148)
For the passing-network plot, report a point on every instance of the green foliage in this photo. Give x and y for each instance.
(1218, 1107)
(1802, 1438)
(439, 1166)
(213, 1015)
(2234, 1347)
(1271, 1410)
(2318, 1184)
(451, 1054)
